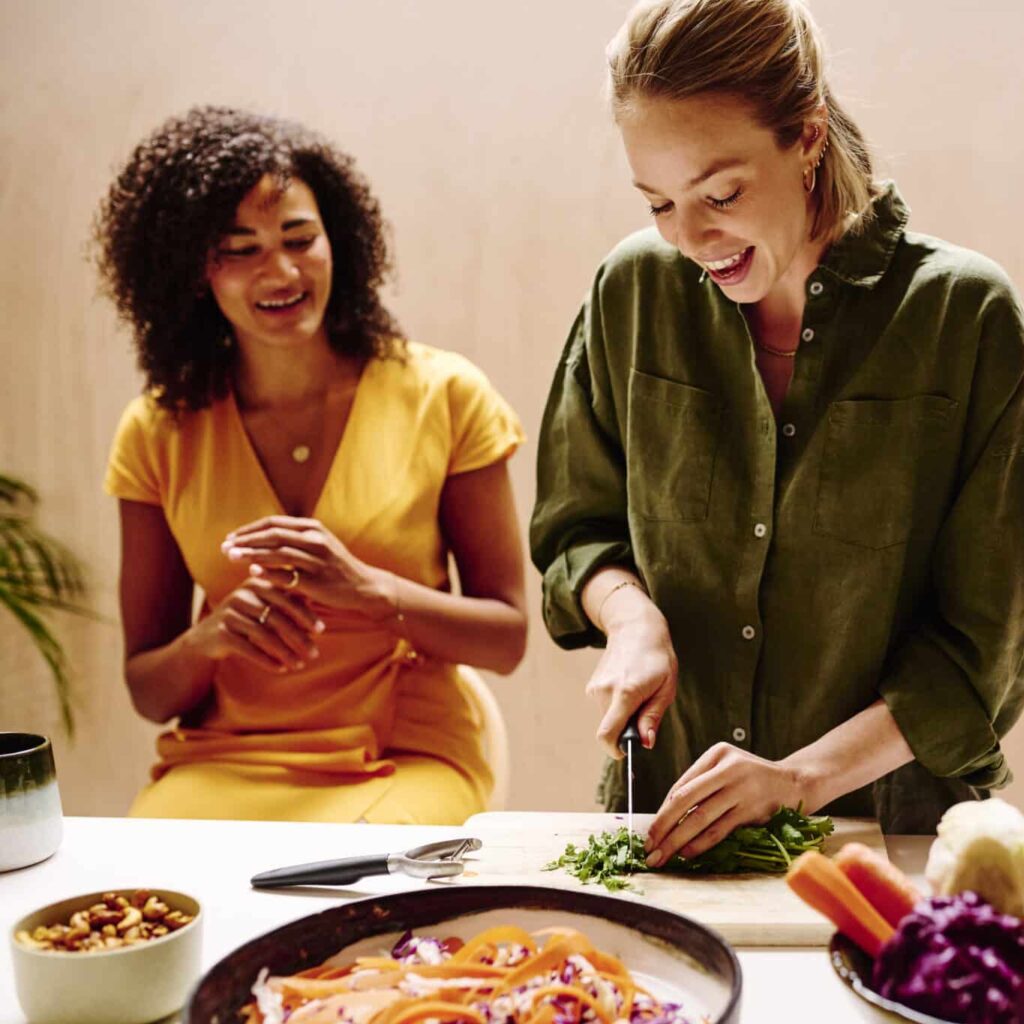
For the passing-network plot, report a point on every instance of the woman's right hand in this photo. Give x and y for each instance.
(637, 672)
(262, 624)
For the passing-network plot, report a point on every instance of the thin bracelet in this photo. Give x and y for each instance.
(618, 586)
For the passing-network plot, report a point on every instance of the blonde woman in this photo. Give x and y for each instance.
(782, 462)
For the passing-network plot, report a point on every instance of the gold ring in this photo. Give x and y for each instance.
(686, 815)
(264, 615)
(294, 581)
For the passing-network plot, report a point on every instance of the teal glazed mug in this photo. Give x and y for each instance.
(31, 819)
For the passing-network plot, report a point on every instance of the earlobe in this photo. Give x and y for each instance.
(810, 174)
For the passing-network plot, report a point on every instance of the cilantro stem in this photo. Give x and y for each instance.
(775, 839)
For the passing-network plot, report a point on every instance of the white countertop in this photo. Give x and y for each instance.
(213, 861)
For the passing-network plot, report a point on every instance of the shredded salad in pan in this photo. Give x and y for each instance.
(504, 975)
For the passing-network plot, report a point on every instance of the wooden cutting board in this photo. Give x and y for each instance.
(748, 910)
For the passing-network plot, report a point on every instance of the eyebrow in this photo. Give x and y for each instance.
(297, 222)
(716, 168)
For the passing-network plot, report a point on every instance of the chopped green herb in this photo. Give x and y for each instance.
(606, 858)
(610, 856)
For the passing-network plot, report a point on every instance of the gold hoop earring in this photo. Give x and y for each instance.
(813, 171)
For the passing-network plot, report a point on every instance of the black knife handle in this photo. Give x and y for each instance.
(631, 734)
(324, 872)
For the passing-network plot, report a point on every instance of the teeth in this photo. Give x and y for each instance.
(281, 303)
(725, 264)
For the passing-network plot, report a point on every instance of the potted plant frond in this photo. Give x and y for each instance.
(37, 574)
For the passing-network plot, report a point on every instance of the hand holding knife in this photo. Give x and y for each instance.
(628, 739)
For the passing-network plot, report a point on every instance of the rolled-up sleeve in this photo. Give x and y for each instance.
(579, 522)
(954, 682)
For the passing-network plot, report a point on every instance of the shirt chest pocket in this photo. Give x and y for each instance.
(672, 442)
(884, 465)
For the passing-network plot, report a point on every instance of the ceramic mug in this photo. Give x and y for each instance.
(31, 820)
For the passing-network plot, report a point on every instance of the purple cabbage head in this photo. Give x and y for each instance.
(955, 958)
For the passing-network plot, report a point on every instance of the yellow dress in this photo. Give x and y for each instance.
(372, 730)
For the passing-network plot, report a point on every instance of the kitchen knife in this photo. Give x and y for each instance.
(629, 738)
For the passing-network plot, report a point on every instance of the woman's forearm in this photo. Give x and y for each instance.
(483, 632)
(854, 754)
(167, 681)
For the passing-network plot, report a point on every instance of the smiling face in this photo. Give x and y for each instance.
(271, 272)
(722, 191)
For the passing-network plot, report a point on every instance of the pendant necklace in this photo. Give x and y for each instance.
(299, 451)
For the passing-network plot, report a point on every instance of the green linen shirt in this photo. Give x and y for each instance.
(868, 543)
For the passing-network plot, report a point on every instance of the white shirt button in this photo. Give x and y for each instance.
(760, 530)
(749, 632)
(788, 430)
(739, 735)
(817, 288)
(807, 334)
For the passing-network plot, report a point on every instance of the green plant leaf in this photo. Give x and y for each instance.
(31, 560)
(51, 651)
(38, 574)
(12, 491)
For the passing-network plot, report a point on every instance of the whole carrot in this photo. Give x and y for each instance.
(880, 882)
(819, 883)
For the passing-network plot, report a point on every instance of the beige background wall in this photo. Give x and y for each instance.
(481, 125)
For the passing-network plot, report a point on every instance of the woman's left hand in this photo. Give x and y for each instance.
(723, 789)
(303, 556)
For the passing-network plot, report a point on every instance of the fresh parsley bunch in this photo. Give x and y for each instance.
(610, 856)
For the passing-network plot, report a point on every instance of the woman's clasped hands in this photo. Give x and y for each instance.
(299, 573)
(263, 624)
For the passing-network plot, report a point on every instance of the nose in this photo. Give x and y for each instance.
(693, 230)
(279, 265)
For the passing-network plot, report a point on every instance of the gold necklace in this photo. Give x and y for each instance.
(785, 353)
(300, 451)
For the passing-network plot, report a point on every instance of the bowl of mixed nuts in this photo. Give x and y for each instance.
(127, 956)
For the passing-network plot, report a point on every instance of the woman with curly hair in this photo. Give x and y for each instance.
(310, 471)
(782, 464)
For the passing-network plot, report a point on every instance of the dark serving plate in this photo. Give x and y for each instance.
(674, 956)
(854, 966)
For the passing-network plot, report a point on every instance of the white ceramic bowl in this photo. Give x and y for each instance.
(131, 985)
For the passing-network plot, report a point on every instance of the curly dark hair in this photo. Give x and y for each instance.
(174, 200)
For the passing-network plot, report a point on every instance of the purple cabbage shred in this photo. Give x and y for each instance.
(405, 946)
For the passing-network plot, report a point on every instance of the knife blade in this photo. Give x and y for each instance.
(629, 737)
